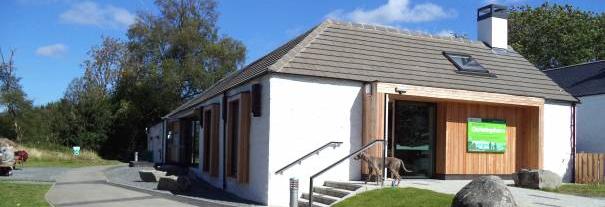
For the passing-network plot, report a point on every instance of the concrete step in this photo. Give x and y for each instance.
(321, 198)
(335, 192)
(305, 203)
(342, 185)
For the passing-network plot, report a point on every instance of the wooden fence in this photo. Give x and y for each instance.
(590, 168)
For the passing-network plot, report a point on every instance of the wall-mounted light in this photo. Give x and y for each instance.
(400, 90)
(256, 99)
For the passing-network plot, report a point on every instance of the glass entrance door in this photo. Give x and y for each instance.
(412, 130)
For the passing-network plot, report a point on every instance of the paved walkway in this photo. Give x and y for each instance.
(524, 197)
(87, 187)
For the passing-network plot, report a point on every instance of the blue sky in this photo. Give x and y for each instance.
(51, 37)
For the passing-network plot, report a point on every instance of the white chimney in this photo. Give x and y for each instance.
(492, 25)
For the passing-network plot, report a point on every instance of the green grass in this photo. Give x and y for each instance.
(590, 190)
(23, 194)
(62, 157)
(68, 163)
(401, 197)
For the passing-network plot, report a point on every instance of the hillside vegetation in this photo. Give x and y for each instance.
(59, 156)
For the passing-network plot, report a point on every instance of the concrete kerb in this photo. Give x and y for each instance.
(46, 195)
(166, 195)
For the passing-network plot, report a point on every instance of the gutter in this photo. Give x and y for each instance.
(573, 142)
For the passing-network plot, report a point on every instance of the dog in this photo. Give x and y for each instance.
(21, 157)
(375, 167)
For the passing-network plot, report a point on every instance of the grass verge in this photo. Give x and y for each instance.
(23, 194)
(400, 197)
(62, 157)
(589, 190)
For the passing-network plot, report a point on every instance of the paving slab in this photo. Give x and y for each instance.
(88, 187)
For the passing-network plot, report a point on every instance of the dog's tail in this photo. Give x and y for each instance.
(403, 166)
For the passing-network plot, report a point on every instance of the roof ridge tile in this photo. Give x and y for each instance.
(398, 30)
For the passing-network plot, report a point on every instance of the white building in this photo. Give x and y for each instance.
(587, 83)
(155, 142)
(356, 83)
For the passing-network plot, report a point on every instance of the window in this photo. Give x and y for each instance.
(466, 64)
(233, 127)
(195, 145)
(211, 142)
(238, 137)
(206, 130)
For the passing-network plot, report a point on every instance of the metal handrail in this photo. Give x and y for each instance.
(299, 160)
(338, 162)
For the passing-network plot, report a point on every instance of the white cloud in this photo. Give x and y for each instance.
(396, 11)
(445, 33)
(53, 50)
(90, 13)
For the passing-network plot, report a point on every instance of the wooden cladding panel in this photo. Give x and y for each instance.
(243, 173)
(522, 139)
(590, 168)
(530, 147)
(440, 144)
(373, 121)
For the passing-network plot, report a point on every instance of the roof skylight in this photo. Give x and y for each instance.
(466, 63)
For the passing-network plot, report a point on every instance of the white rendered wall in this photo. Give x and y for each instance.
(256, 189)
(493, 31)
(557, 139)
(590, 134)
(306, 113)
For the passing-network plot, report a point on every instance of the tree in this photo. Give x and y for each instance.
(553, 35)
(12, 97)
(171, 57)
(102, 71)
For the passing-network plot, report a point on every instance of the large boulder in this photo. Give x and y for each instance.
(168, 183)
(175, 183)
(537, 179)
(487, 191)
(151, 175)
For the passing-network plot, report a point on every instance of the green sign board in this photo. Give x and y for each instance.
(76, 150)
(486, 135)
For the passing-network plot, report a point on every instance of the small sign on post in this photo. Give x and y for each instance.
(76, 150)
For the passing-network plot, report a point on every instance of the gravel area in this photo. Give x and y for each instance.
(42, 174)
(130, 176)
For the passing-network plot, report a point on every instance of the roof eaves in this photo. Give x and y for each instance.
(231, 79)
(574, 66)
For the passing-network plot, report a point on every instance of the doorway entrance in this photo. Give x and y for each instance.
(412, 136)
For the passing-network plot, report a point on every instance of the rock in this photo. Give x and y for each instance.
(487, 191)
(175, 183)
(151, 175)
(168, 183)
(537, 179)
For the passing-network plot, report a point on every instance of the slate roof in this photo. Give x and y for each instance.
(364, 52)
(582, 79)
